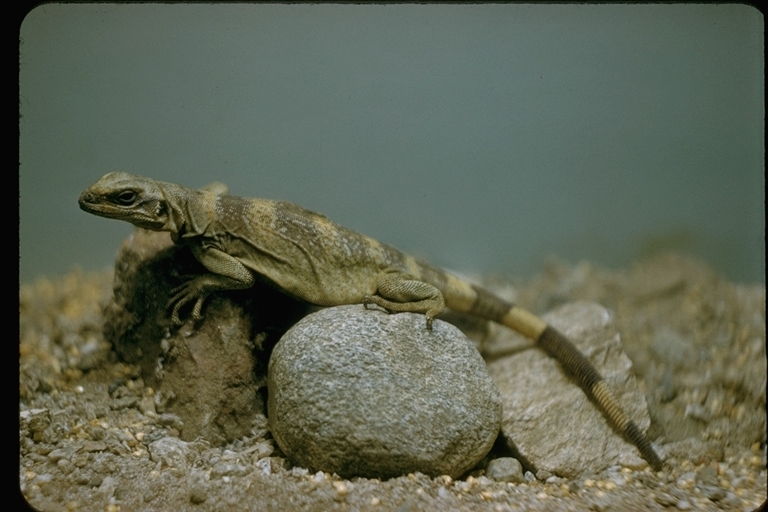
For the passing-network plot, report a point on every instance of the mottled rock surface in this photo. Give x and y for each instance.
(548, 419)
(365, 393)
(208, 374)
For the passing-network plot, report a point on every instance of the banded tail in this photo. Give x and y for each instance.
(558, 346)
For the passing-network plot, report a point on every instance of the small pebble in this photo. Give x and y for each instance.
(740, 482)
(707, 475)
(341, 488)
(730, 501)
(712, 492)
(198, 495)
(505, 469)
(662, 498)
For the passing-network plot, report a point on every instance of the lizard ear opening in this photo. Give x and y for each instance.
(161, 210)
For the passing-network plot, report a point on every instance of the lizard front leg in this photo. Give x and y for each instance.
(227, 273)
(398, 292)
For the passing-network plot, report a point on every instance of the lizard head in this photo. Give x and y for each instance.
(123, 196)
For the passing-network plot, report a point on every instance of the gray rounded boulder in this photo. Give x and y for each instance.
(363, 393)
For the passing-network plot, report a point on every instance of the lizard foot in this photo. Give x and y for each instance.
(396, 307)
(181, 296)
(376, 301)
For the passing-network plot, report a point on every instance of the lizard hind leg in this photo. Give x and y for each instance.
(398, 292)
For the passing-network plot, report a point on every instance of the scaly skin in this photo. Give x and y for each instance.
(306, 255)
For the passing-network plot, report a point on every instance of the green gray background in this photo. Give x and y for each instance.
(480, 137)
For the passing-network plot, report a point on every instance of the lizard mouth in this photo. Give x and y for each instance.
(86, 200)
(89, 203)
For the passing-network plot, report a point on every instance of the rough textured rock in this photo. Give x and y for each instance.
(505, 469)
(548, 420)
(364, 393)
(209, 374)
(169, 452)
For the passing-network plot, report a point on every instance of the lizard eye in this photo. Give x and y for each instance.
(126, 198)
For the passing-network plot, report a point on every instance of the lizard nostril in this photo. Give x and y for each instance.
(86, 197)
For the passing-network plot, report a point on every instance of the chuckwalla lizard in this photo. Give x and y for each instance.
(306, 255)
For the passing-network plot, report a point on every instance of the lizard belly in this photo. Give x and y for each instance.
(325, 290)
(312, 281)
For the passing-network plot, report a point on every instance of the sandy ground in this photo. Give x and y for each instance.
(89, 426)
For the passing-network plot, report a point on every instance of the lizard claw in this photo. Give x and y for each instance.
(376, 301)
(196, 310)
(181, 296)
(431, 314)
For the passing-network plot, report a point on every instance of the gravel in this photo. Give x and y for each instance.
(90, 438)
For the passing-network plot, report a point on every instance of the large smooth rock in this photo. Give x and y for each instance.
(363, 393)
(548, 419)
